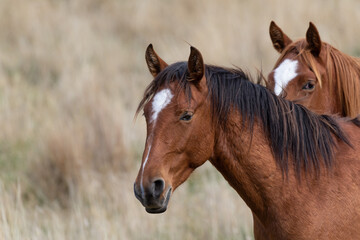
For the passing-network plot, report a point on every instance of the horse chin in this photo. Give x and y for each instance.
(156, 210)
(163, 207)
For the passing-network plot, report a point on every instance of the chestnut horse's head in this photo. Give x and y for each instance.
(299, 74)
(180, 136)
(315, 74)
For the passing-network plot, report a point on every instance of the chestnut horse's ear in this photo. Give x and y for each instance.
(313, 39)
(196, 65)
(279, 39)
(154, 62)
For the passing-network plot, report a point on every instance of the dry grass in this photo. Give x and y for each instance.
(71, 75)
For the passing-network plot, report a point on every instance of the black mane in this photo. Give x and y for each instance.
(291, 129)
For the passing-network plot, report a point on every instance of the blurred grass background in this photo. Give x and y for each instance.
(71, 76)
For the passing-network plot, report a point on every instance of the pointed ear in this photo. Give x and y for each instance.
(196, 65)
(313, 39)
(279, 39)
(154, 62)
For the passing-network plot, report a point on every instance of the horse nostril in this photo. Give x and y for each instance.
(158, 187)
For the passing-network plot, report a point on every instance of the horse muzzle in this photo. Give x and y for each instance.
(155, 197)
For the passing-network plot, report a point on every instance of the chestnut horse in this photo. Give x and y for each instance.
(315, 74)
(299, 172)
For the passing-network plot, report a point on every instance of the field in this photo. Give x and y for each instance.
(71, 76)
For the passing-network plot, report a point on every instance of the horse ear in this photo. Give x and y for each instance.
(154, 62)
(279, 39)
(196, 65)
(313, 39)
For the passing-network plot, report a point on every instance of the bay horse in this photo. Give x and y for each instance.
(299, 172)
(315, 74)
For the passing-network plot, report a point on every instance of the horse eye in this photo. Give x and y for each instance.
(186, 116)
(309, 86)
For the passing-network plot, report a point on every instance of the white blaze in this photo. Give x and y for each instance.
(160, 101)
(283, 74)
(142, 172)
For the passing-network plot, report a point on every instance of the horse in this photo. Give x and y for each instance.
(315, 74)
(297, 171)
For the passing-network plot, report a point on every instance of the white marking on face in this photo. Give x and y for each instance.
(159, 102)
(161, 99)
(283, 74)
(142, 173)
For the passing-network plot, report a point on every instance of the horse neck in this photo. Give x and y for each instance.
(247, 163)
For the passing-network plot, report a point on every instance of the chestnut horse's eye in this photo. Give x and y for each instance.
(309, 86)
(186, 116)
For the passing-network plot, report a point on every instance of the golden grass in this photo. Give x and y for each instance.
(71, 76)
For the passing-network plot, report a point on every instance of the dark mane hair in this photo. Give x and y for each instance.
(291, 129)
